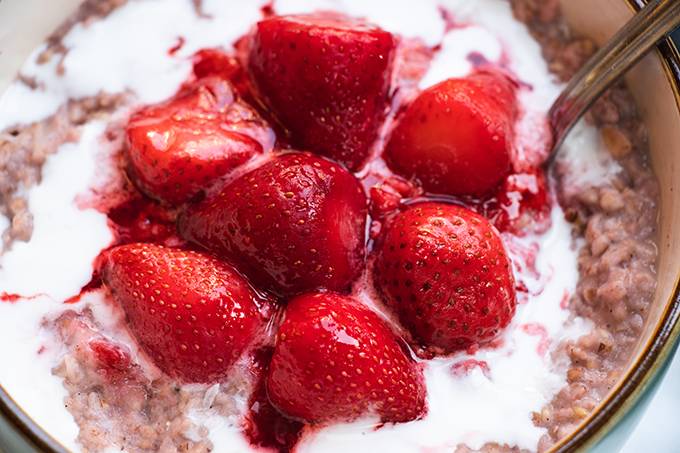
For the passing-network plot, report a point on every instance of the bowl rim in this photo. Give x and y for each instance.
(605, 417)
(633, 385)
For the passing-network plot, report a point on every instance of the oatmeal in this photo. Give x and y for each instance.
(130, 212)
(25, 149)
(143, 414)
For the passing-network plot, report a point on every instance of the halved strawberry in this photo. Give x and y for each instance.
(444, 270)
(456, 137)
(179, 147)
(326, 77)
(296, 223)
(194, 315)
(335, 359)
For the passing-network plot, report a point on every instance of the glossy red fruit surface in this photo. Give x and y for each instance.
(179, 147)
(456, 137)
(192, 314)
(294, 224)
(336, 360)
(444, 271)
(326, 77)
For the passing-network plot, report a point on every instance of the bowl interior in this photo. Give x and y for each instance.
(24, 24)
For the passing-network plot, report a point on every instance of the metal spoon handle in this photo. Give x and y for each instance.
(654, 21)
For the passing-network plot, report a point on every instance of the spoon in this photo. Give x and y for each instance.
(654, 21)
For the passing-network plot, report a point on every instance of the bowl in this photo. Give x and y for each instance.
(655, 84)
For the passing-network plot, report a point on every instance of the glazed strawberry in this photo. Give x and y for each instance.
(193, 315)
(336, 360)
(456, 137)
(445, 273)
(177, 148)
(294, 224)
(326, 77)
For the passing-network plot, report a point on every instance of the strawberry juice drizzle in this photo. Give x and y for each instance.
(11, 298)
(268, 9)
(178, 46)
(94, 284)
(467, 366)
(264, 425)
(538, 330)
(139, 219)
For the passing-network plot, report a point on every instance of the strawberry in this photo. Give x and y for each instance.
(327, 78)
(192, 314)
(294, 224)
(336, 360)
(445, 273)
(456, 137)
(179, 147)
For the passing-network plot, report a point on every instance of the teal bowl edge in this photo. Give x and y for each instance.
(617, 437)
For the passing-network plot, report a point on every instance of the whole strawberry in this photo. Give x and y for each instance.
(456, 137)
(181, 146)
(336, 360)
(445, 273)
(294, 224)
(326, 77)
(192, 314)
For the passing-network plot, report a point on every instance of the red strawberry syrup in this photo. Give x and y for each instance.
(140, 219)
(538, 330)
(264, 426)
(92, 285)
(465, 367)
(268, 9)
(178, 46)
(11, 298)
